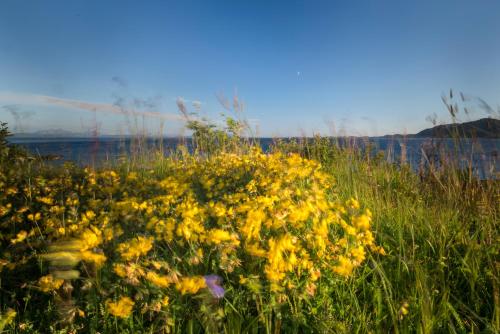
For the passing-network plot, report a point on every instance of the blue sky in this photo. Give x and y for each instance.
(359, 67)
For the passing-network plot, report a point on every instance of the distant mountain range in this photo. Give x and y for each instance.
(54, 133)
(60, 133)
(482, 128)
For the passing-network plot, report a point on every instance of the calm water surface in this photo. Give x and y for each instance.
(482, 154)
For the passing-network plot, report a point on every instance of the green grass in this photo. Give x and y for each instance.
(442, 232)
(440, 229)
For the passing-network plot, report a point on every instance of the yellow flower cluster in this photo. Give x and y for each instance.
(265, 222)
(190, 284)
(122, 308)
(136, 247)
(49, 283)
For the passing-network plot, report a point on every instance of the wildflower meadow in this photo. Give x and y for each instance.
(229, 239)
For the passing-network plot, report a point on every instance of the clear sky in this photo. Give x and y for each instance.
(361, 67)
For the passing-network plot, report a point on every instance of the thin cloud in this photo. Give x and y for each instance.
(83, 105)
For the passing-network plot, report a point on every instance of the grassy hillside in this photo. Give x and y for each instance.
(481, 128)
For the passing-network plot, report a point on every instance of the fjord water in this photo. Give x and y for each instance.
(482, 154)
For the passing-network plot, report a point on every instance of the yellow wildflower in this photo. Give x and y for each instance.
(190, 285)
(45, 200)
(120, 270)
(20, 237)
(122, 308)
(403, 310)
(217, 236)
(136, 247)
(358, 253)
(255, 250)
(315, 274)
(381, 250)
(352, 203)
(91, 238)
(251, 228)
(96, 258)
(35, 217)
(158, 280)
(132, 176)
(344, 266)
(362, 222)
(49, 283)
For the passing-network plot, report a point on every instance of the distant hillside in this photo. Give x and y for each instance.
(58, 133)
(482, 128)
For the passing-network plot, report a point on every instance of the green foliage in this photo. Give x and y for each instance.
(208, 138)
(4, 148)
(10, 155)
